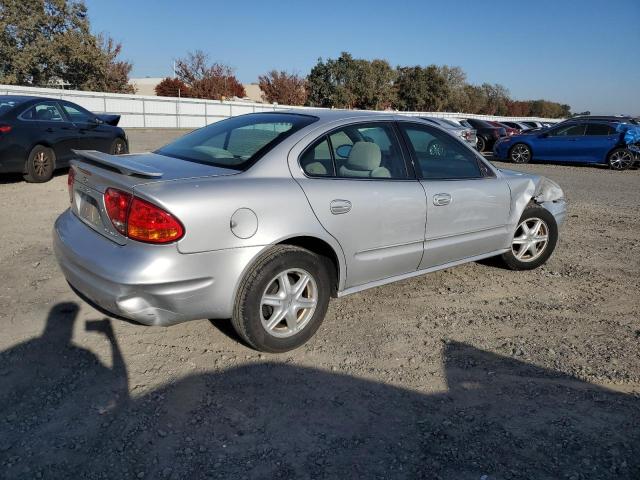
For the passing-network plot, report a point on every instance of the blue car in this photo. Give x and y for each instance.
(572, 141)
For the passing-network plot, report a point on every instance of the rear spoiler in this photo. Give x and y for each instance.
(123, 164)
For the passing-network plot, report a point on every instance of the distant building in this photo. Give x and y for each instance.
(253, 92)
(147, 86)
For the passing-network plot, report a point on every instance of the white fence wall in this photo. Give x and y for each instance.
(140, 111)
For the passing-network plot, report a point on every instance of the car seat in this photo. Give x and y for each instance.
(364, 161)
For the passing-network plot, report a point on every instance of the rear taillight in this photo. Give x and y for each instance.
(141, 220)
(4, 128)
(70, 179)
(117, 204)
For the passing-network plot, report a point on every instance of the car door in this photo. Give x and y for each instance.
(93, 134)
(54, 129)
(467, 203)
(598, 141)
(360, 189)
(562, 144)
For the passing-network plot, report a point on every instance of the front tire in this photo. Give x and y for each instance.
(481, 144)
(40, 165)
(534, 239)
(283, 299)
(620, 159)
(520, 153)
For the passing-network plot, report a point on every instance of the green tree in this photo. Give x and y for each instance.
(421, 89)
(45, 42)
(346, 82)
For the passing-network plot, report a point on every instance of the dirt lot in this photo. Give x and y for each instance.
(470, 373)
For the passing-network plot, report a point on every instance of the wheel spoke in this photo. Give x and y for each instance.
(300, 286)
(285, 283)
(292, 319)
(275, 318)
(272, 300)
(303, 303)
(536, 227)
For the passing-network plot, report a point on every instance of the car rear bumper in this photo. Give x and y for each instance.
(151, 284)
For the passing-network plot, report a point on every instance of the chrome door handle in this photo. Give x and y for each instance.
(338, 207)
(440, 199)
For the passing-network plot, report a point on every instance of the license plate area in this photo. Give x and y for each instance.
(87, 205)
(88, 209)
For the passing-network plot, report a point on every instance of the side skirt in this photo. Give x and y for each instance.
(404, 276)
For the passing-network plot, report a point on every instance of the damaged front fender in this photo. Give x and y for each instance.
(526, 188)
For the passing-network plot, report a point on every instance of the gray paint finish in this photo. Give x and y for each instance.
(380, 230)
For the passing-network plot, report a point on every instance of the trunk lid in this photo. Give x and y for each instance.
(95, 172)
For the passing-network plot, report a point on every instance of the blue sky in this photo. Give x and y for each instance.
(584, 53)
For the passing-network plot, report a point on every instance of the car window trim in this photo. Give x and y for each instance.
(418, 170)
(335, 176)
(34, 105)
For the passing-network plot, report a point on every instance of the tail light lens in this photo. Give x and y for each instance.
(117, 204)
(149, 223)
(141, 220)
(4, 128)
(70, 179)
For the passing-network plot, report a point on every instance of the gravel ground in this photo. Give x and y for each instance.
(470, 373)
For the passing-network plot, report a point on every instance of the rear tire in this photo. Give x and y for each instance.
(118, 147)
(40, 165)
(275, 309)
(481, 144)
(620, 159)
(534, 239)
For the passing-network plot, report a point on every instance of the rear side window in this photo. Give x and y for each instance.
(600, 129)
(77, 114)
(237, 142)
(316, 161)
(366, 150)
(45, 111)
(438, 155)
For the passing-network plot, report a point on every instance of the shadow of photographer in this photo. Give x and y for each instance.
(67, 415)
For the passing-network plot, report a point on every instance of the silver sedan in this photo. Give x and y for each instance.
(262, 218)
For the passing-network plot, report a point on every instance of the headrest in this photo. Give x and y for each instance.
(364, 156)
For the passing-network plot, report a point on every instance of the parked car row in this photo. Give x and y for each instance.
(38, 135)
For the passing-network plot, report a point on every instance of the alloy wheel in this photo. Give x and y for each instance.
(520, 154)
(41, 163)
(530, 240)
(621, 160)
(288, 303)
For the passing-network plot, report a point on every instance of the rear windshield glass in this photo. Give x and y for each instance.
(7, 104)
(237, 142)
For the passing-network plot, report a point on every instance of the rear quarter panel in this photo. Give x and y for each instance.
(275, 207)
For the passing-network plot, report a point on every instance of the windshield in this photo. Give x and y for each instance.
(7, 104)
(449, 122)
(237, 142)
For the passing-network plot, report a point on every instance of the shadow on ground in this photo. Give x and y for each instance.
(66, 415)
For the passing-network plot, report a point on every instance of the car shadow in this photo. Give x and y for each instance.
(8, 178)
(65, 414)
